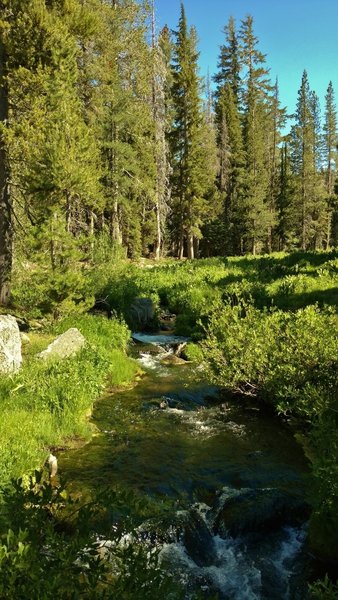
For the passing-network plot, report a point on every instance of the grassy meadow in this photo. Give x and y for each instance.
(263, 326)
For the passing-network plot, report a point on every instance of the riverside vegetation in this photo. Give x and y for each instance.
(110, 149)
(263, 326)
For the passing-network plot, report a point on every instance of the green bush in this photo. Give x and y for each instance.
(39, 560)
(291, 361)
(324, 590)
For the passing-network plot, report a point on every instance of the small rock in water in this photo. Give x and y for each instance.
(198, 539)
(172, 360)
(256, 454)
(178, 348)
(245, 510)
(53, 465)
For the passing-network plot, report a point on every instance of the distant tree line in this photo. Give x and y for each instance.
(109, 133)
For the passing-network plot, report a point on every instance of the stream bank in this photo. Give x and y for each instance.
(224, 484)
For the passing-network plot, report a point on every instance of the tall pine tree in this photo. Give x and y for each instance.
(330, 165)
(193, 172)
(259, 218)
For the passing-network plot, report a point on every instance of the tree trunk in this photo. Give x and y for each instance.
(52, 243)
(158, 242)
(328, 231)
(115, 224)
(254, 246)
(190, 248)
(180, 253)
(6, 225)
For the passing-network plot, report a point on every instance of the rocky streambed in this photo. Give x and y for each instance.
(232, 480)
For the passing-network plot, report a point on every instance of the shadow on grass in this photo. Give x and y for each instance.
(295, 301)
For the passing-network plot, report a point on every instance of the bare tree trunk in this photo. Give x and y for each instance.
(254, 246)
(181, 246)
(328, 231)
(52, 245)
(190, 243)
(115, 224)
(6, 217)
(158, 242)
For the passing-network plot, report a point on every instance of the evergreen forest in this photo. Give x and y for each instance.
(126, 174)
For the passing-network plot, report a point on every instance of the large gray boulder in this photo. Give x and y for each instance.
(10, 345)
(65, 345)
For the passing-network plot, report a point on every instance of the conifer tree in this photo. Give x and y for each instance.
(259, 218)
(6, 217)
(125, 126)
(231, 175)
(305, 155)
(193, 172)
(276, 118)
(229, 64)
(319, 215)
(287, 214)
(230, 178)
(51, 152)
(161, 68)
(302, 158)
(330, 162)
(21, 47)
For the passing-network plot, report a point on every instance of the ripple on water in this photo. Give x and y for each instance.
(151, 362)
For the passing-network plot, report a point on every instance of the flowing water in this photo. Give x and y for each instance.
(231, 477)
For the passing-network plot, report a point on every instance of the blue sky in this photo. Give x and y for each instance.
(295, 35)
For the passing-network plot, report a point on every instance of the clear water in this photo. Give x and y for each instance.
(177, 441)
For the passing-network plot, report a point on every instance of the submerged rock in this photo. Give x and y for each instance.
(65, 345)
(10, 345)
(254, 510)
(198, 539)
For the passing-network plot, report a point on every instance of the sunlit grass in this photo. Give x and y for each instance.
(47, 403)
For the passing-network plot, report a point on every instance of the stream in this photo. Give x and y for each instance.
(231, 477)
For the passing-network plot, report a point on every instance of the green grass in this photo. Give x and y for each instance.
(192, 289)
(47, 403)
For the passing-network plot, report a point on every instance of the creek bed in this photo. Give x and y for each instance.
(232, 480)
